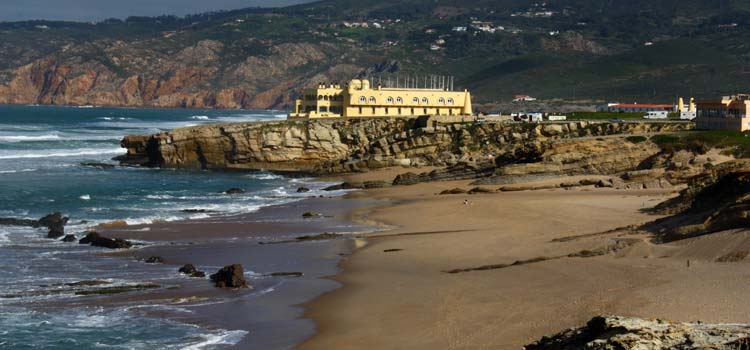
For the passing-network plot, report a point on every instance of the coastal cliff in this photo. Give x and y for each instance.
(350, 145)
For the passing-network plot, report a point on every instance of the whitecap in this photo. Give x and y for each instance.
(199, 117)
(16, 171)
(220, 338)
(85, 197)
(61, 153)
(28, 138)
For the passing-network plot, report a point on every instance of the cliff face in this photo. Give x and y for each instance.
(355, 145)
(199, 76)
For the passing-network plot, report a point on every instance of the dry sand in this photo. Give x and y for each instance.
(404, 299)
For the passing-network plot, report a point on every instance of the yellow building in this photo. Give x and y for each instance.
(359, 99)
(729, 113)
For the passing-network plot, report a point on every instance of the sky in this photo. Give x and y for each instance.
(95, 10)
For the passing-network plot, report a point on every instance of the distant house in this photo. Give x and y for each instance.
(434, 47)
(523, 98)
(728, 113)
(638, 107)
(440, 41)
(459, 29)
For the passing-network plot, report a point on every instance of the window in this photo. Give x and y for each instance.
(360, 110)
(386, 110)
(424, 100)
(415, 100)
(372, 99)
(399, 100)
(320, 97)
(450, 100)
(441, 101)
(323, 109)
(362, 99)
(389, 99)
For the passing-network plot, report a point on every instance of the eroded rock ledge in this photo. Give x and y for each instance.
(350, 145)
(628, 333)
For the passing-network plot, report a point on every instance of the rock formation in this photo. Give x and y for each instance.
(628, 333)
(335, 146)
(190, 270)
(231, 276)
(96, 240)
(714, 201)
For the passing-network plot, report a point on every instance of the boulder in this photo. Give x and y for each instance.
(375, 184)
(94, 239)
(303, 190)
(189, 269)
(234, 191)
(55, 222)
(154, 260)
(69, 238)
(311, 214)
(230, 276)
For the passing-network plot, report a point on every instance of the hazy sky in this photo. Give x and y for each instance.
(92, 10)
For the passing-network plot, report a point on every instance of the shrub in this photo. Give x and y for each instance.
(636, 139)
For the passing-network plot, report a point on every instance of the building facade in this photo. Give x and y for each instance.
(359, 99)
(729, 113)
(637, 108)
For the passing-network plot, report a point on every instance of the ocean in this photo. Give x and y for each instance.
(42, 149)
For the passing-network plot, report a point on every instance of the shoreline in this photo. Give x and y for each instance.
(396, 292)
(275, 303)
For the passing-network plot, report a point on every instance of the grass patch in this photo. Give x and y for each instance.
(736, 143)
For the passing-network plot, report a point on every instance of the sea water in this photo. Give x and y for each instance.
(41, 154)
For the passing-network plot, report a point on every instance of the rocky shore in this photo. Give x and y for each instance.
(353, 145)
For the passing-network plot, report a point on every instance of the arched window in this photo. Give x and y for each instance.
(372, 99)
(441, 101)
(320, 97)
(450, 100)
(424, 100)
(415, 100)
(362, 99)
(389, 99)
(399, 100)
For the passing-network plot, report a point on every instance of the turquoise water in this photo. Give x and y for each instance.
(41, 151)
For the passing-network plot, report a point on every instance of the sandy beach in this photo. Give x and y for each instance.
(397, 293)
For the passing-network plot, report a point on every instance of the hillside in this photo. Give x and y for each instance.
(261, 58)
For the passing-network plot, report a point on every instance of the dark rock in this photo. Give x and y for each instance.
(234, 191)
(477, 190)
(98, 165)
(311, 214)
(231, 276)
(303, 190)
(392, 250)
(454, 191)
(321, 236)
(407, 179)
(375, 184)
(194, 210)
(287, 274)
(69, 238)
(155, 260)
(55, 222)
(94, 239)
(345, 186)
(189, 269)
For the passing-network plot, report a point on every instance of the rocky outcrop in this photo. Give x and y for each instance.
(349, 145)
(96, 240)
(55, 223)
(629, 333)
(231, 276)
(714, 201)
(191, 271)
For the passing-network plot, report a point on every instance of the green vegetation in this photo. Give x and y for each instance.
(700, 142)
(636, 139)
(604, 115)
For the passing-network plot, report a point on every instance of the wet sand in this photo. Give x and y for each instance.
(271, 310)
(397, 294)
